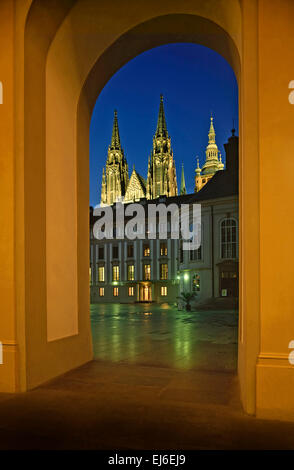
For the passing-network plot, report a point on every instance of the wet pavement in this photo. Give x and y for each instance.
(161, 335)
(162, 379)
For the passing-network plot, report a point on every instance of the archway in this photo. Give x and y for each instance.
(67, 61)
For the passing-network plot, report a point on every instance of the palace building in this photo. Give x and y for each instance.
(156, 270)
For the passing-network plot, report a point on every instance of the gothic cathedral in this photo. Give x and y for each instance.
(161, 174)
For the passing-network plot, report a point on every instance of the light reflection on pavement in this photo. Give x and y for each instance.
(160, 335)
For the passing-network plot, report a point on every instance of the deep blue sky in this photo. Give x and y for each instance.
(194, 80)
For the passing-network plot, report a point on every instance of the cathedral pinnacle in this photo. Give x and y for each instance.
(161, 130)
(183, 183)
(115, 139)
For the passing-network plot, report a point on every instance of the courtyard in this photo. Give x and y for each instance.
(160, 335)
(161, 379)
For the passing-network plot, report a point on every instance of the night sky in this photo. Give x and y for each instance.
(194, 81)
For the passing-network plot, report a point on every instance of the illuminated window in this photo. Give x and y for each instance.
(163, 249)
(115, 273)
(131, 291)
(147, 272)
(229, 238)
(131, 272)
(115, 292)
(163, 291)
(90, 274)
(196, 283)
(101, 291)
(146, 250)
(101, 274)
(163, 271)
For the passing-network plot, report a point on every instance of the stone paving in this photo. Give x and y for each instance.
(161, 335)
(162, 379)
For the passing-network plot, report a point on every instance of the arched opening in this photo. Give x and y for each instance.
(74, 56)
(188, 75)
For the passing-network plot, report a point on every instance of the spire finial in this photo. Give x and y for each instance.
(133, 166)
(161, 129)
(183, 183)
(115, 139)
(211, 133)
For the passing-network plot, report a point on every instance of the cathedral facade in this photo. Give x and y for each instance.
(161, 179)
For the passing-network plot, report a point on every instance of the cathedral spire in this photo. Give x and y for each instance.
(161, 130)
(211, 133)
(115, 139)
(183, 183)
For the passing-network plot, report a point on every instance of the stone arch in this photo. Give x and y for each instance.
(69, 56)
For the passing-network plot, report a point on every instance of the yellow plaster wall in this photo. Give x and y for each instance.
(57, 56)
(7, 307)
(275, 376)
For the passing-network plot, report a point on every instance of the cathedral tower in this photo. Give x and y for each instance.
(213, 161)
(161, 176)
(115, 178)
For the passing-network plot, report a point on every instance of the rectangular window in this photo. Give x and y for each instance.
(115, 273)
(163, 249)
(115, 252)
(228, 238)
(115, 292)
(130, 251)
(146, 250)
(163, 291)
(101, 252)
(90, 275)
(131, 272)
(101, 274)
(196, 283)
(147, 272)
(101, 291)
(163, 271)
(196, 255)
(131, 291)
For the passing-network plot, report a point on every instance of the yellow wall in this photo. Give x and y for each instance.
(7, 205)
(57, 57)
(275, 376)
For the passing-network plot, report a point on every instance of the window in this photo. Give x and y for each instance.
(101, 252)
(90, 275)
(163, 271)
(146, 250)
(196, 255)
(101, 291)
(130, 251)
(101, 274)
(131, 272)
(181, 253)
(115, 273)
(115, 252)
(196, 283)
(115, 292)
(131, 291)
(163, 291)
(147, 272)
(163, 249)
(228, 238)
